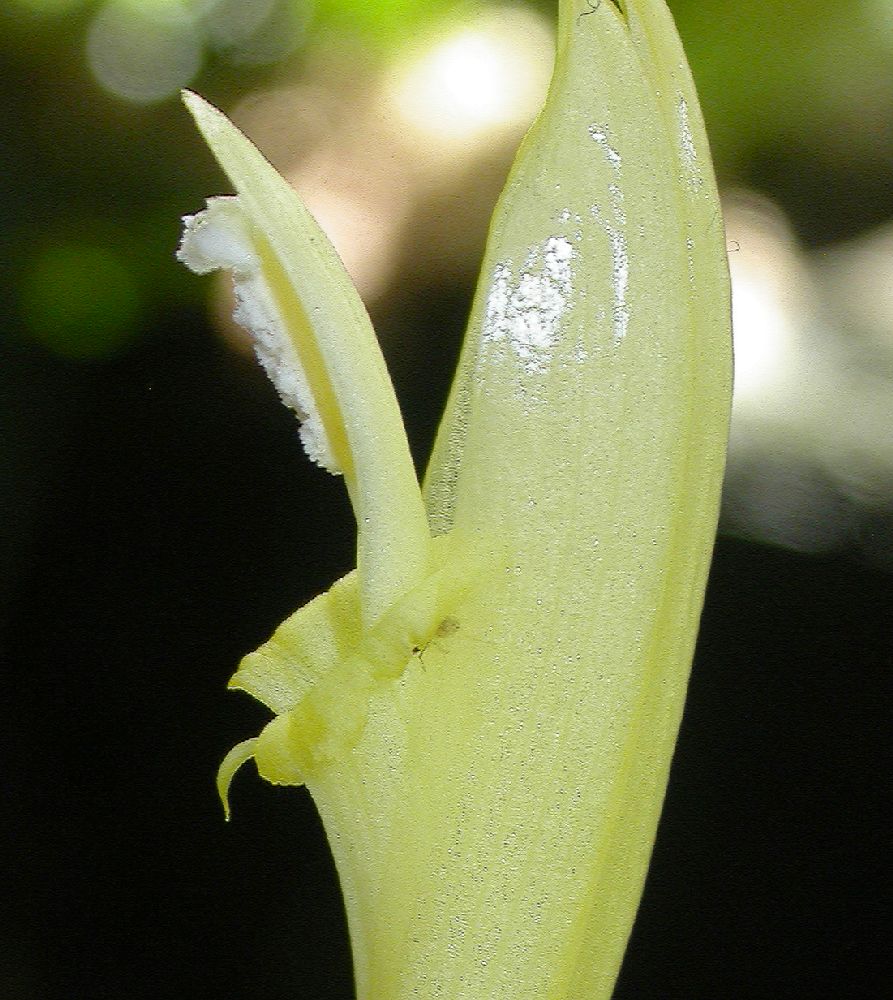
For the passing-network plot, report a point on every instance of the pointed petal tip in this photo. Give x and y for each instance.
(207, 117)
(240, 754)
(194, 104)
(191, 99)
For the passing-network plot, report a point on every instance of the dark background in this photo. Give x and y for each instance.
(159, 519)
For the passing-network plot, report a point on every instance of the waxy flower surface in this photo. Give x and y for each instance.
(485, 710)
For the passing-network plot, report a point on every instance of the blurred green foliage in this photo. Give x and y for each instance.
(386, 21)
(798, 99)
(80, 300)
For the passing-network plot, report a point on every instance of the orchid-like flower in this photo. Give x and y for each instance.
(491, 808)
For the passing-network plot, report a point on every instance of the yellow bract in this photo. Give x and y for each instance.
(486, 720)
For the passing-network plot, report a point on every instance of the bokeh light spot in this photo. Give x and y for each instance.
(80, 300)
(233, 22)
(762, 335)
(144, 51)
(479, 78)
(256, 32)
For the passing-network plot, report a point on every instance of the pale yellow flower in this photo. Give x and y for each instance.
(485, 711)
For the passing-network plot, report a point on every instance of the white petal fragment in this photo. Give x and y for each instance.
(220, 238)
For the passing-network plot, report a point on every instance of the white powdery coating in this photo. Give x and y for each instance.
(616, 233)
(600, 135)
(619, 263)
(526, 313)
(689, 153)
(619, 282)
(219, 238)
